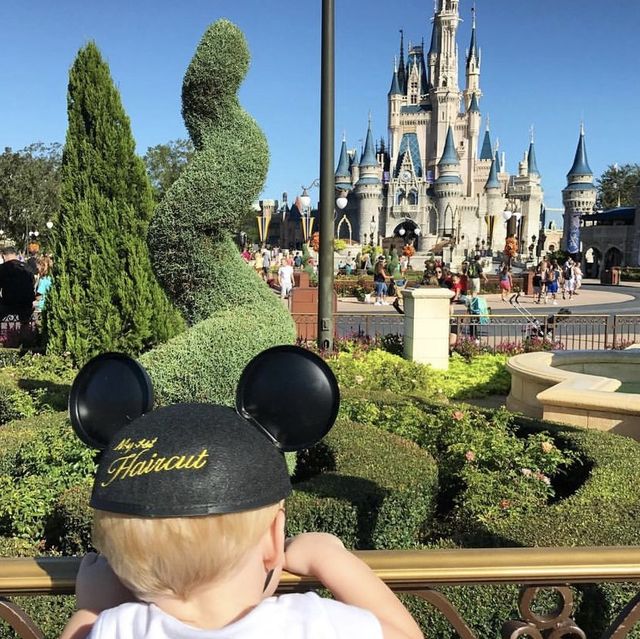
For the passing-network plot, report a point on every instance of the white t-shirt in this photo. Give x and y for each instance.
(286, 275)
(294, 616)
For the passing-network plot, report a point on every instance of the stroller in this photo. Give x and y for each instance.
(542, 329)
(479, 312)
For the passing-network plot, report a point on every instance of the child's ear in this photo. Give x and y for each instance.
(274, 551)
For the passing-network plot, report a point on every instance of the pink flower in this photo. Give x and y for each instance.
(458, 415)
(505, 503)
(547, 447)
(527, 472)
(470, 456)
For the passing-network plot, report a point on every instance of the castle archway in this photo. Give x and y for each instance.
(409, 231)
(613, 257)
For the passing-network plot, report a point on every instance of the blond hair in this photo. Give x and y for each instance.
(175, 555)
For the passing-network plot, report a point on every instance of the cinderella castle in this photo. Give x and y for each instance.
(433, 183)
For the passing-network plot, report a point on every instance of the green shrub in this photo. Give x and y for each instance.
(9, 356)
(42, 457)
(481, 376)
(376, 490)
(34, 384)
(380, 370)
(204, 363)
(14, 402)
(69, 525)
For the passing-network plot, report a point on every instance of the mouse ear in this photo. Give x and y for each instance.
(110, 391)
(290, 394)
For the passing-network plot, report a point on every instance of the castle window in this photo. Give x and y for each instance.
(413, 197)
(400, 197)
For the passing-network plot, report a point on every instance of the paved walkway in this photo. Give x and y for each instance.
(592, 294)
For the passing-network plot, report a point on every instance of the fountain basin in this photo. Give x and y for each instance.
(578, 388)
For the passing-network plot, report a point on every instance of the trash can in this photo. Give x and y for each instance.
(615, 275)
(611, 276)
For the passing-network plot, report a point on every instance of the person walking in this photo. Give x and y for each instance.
(380, 277)
(506, 282)
(266, 264)
(568, 278)
(553, 278)
(285, 278)
(476, 274)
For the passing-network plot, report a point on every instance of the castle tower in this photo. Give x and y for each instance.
(368, 191)
(473, 66)
(395, 99)
(473, 127)
(445, 94)
(448, 188)
(495, 200)
(578, 198)
(526, 187)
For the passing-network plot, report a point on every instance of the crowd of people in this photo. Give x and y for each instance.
(276, 267)
(551, 278)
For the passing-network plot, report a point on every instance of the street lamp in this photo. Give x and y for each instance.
(305, 215)
(373, 227)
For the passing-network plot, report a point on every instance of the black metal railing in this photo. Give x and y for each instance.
(558, 331)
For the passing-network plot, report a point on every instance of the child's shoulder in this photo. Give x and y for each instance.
(287, 615)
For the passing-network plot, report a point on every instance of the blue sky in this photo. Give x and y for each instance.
(545, 63)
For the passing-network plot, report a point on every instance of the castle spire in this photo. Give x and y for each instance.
(532, 166)
(473, 46)
(402, 77)
(473, 106)
(580, 162)
(493, 182)
(369, 153)
(395, 82)
(486, 152)
(342, 171)
(449, 154)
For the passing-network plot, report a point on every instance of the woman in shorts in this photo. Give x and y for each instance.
(380, 282)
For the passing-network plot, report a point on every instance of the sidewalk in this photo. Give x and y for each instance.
(588, 296)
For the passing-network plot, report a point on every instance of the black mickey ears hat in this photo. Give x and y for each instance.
(197, 459)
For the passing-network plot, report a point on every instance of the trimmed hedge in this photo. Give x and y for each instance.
(233, 314)
(375, 490)
(41, 457)
(204, 363)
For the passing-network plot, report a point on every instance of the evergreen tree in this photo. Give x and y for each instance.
(104, 294)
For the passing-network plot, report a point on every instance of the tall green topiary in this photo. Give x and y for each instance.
(232, 313)
(104, 294)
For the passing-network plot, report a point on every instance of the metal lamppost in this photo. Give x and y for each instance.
(305, 215)
(327, 177)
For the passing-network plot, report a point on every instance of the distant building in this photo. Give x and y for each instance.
(601, 238)
(433, 183)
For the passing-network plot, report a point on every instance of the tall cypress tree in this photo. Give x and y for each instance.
(104, 294)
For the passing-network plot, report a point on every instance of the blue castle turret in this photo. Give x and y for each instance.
(579, 196)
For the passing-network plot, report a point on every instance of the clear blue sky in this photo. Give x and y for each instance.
(544, 62)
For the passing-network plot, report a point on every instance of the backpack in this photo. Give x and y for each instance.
(567, 273)
(473, 270)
